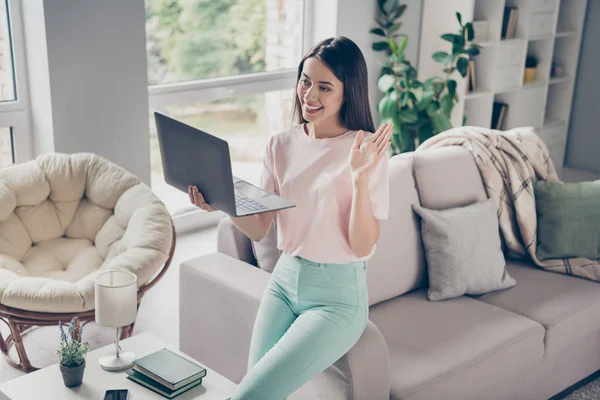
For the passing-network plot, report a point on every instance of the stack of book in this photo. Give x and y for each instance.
(509, 22)
(166, 373)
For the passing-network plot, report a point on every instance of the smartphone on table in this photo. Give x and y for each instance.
(116, 394)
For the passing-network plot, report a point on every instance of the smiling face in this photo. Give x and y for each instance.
(320, 93)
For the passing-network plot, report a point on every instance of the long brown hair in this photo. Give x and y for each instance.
(343, 57)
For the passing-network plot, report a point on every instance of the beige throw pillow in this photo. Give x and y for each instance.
(463, 251)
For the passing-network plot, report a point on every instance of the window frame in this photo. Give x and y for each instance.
(15, 113)
(207, 90)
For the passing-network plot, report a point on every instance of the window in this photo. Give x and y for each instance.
(15, 140)
(226, 67)
(202, 39)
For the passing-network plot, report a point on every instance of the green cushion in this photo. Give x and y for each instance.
(568, 219)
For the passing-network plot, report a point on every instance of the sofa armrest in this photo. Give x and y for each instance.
(234, 243)
(368, 366)
(219, 299)
(363, 373)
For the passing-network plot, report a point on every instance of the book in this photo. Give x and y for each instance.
(512, 25)
(509, 22)
(468, 80)
(495, 114)
(169, 369)
(505, 20)
(471, 81)
(499, 115)
(502, 117)
(164, 391)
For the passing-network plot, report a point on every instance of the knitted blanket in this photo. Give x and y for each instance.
(509, 162)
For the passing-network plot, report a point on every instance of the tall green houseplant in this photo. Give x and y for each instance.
(417, 109)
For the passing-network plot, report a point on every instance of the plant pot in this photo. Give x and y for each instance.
(529, 75)
(72, 376)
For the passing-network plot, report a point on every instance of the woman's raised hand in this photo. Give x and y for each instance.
(197, 199)
(365, 156)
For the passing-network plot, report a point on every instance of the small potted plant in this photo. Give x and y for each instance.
(72, 353)
(531, 63)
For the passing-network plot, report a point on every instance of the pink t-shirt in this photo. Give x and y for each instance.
(314, 175)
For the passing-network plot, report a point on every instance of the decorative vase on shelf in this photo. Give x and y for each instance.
(531, 64)
(530, 74)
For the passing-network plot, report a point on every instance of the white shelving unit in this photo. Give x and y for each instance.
(549, 29)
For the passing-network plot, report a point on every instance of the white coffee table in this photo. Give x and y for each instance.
(47, 383)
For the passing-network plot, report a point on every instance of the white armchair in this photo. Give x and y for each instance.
(63, 219)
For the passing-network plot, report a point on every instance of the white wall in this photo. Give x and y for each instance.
(357, 17)
(38, 76)
(583, 141)
(90, 93)
(411, 26)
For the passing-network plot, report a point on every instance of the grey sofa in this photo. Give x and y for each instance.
(528, 342)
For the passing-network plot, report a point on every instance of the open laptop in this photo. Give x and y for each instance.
(191, 157)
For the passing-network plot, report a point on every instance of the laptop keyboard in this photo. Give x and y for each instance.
(248, 205)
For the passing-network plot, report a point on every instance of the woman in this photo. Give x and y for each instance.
(315, 307)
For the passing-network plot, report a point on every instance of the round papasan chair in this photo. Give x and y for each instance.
(65, 218)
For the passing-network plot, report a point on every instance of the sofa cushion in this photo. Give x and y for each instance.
(398, 265)
(567, 306)
(453, 349)
(462, 247)
(568, 219)
(447, 177)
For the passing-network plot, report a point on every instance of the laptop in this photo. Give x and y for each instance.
(192, 157)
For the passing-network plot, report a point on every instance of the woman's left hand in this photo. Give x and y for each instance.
(364, 156)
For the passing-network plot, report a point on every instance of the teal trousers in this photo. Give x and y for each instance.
(310, 315)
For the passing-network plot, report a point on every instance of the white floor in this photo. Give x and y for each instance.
(158, 314)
